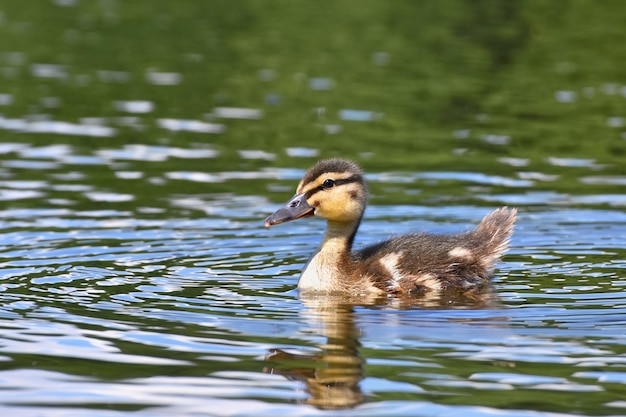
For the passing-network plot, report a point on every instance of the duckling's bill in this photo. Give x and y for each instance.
(295, 208)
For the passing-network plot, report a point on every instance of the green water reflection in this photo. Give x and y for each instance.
(453, 83)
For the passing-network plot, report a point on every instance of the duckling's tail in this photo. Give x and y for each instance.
(494, 234)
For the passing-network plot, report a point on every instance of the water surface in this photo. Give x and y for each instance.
(143, 144)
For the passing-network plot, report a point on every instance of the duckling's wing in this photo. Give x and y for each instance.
(436, 261)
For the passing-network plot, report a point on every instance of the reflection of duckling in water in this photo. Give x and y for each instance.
(421, 263)
(332, 377)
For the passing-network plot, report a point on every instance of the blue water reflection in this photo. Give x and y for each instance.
(214, 293)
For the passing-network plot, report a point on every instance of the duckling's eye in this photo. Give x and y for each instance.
(329, 183)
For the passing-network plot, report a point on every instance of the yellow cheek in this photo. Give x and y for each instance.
(329, 212)
(336, 209)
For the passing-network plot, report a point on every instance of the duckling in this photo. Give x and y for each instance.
(335, 190)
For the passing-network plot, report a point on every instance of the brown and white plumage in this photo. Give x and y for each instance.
(335, 190)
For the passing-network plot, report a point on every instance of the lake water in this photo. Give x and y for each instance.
(143, 144)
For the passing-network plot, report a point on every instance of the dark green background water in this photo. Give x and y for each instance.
(487, 70)
(142, 143)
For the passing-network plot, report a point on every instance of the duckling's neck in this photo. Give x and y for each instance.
(329, 267)
(339, 236)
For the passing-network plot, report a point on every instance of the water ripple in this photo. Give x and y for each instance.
(190, 284)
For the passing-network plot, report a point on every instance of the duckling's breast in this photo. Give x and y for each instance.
(337, 272)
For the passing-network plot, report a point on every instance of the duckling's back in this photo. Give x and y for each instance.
(422, 261)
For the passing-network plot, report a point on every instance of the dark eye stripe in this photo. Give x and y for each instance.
(338, 182)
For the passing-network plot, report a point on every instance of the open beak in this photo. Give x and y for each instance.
(295, 208)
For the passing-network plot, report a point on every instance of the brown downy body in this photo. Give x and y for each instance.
(335, 189)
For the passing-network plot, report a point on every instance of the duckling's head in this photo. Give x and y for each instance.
(333, 189)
